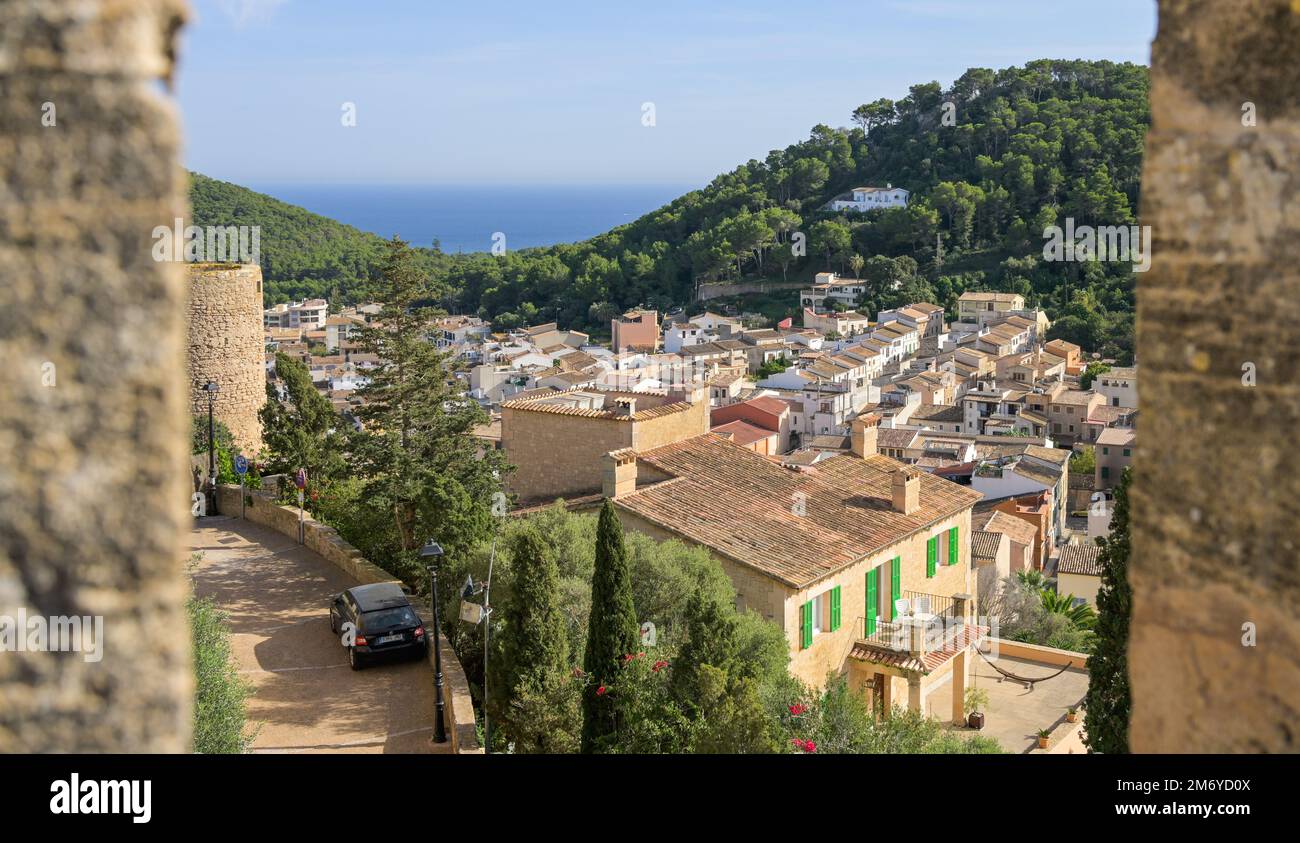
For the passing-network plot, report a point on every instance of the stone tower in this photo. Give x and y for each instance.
(226, 346)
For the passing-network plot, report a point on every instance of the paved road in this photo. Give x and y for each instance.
(305, 696)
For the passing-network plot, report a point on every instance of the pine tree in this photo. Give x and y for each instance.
(1109, 699)
(710, 641)
(424, 476)
(302, 430)
(532, 676)
(612, 629)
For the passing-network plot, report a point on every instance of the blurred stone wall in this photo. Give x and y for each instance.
(1216, 503)
(93, 427)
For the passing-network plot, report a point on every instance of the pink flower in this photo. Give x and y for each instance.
(659, 665)
(600, 692)
(798, 709)
(809, 746)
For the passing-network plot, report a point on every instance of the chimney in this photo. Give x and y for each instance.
(906, 484)
(625, 406)
(620, 473)
(862, 437)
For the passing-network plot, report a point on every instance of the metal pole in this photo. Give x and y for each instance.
(439, 723)
(487, 634)
(241, 496)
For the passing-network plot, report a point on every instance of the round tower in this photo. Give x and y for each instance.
(226, 346)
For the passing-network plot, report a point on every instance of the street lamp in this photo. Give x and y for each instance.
(212, 389)
(431, 553)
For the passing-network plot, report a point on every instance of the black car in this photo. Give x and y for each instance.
(377, 620)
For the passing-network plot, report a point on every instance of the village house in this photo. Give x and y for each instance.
(1078, 572)
(557, 439)
(863, 199)
(1113, 452)
(847, 324)
(1118, 386)
(977, 308)
(863, 562)
(636, 330)
(309, 315)
(766, 412)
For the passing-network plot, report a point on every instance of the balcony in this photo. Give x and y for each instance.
(925, 632)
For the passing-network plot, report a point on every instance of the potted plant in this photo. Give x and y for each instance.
(1043, 735)
(1072, 714)
(977, 699)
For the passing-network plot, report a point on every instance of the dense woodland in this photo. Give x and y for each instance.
(1027, 147)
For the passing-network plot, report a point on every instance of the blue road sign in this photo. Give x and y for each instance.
(241, 464)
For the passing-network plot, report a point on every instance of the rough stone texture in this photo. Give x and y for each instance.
(92, 422)
(226, 345)
(1217, 497)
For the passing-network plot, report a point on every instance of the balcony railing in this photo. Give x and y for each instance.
(931, 622)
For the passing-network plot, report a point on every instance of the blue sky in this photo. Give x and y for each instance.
(551, 93)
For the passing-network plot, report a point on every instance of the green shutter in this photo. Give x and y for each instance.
(835, 608)
(806, 627)
(895, 584)
(931, 555)
(873, 599)
(952, 546)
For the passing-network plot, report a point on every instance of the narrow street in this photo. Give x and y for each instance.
(305, 697)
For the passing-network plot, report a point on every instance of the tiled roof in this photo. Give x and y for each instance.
(892, 437)
(984, 544)
(544, 403)
(1018, 530)
(739, 504)
(938, 413)
(1079, 559)
(742, 432)
(982, 296)
(769, 404)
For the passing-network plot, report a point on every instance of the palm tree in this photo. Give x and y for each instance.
(1033, 579)
(1081, 615)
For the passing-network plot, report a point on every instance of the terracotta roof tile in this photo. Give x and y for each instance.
(739, 504)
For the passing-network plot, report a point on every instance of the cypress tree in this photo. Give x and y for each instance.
(533, 668)
(1109, 699)
(710, 640)
(612, 629)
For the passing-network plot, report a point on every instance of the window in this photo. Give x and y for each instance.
(1127, 452)
(1105, 472)
(1105, 452)
(821, 614)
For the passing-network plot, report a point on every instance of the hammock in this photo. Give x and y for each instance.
(1029, 682)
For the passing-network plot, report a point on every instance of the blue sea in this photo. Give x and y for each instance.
(464, 218)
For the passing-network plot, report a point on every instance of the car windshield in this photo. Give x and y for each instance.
(388, 618)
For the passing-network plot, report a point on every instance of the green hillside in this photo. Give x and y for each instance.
(1027, 147)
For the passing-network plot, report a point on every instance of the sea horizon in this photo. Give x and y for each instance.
(467, 217)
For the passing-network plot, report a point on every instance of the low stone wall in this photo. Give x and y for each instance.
(261, 508)
(1039, 653)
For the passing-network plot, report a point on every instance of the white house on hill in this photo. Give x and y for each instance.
(868, 198)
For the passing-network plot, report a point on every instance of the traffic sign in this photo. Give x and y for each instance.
(300, 479)
(241, 464)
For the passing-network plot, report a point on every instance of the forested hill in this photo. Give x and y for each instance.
(1024, 148)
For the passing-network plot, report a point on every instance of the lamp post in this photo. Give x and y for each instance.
(212, 389)
(431, 553)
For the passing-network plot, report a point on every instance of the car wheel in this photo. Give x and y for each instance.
(334, 624)
(354, 659)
